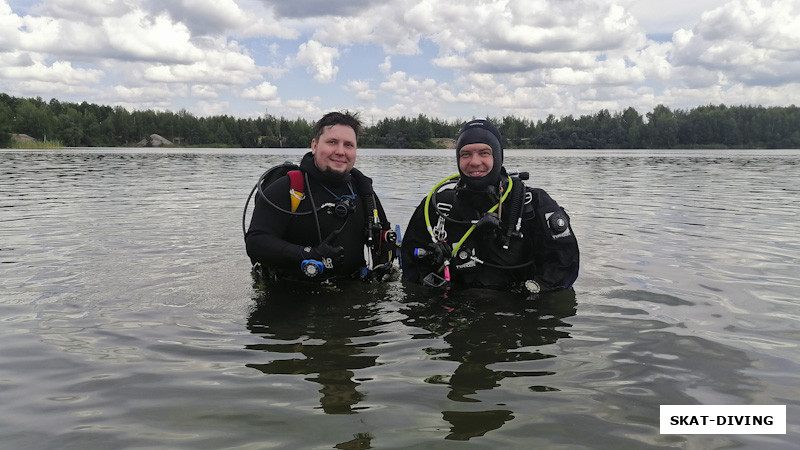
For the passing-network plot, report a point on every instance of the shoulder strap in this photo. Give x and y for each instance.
(296, 189)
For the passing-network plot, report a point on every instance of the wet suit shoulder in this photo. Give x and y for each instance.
(556, 255)
(265, 237)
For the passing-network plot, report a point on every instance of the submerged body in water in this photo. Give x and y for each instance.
(473, 328)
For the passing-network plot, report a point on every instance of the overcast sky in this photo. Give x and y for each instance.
(387, 58)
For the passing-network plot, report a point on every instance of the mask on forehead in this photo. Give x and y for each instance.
(481, 132)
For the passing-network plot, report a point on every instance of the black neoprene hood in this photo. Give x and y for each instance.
(481, 132)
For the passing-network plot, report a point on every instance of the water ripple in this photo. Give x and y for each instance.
(130, 319)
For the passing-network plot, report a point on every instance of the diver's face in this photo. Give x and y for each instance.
(335, 150)
(475, 160)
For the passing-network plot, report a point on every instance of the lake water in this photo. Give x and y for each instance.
(129, 318)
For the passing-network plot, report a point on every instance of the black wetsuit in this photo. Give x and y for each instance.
(544, 253)
(280, 240)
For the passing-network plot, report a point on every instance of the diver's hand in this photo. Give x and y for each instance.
(325, 251)
(434, 253)
(440, 252)
(383, 273)
(489, 221)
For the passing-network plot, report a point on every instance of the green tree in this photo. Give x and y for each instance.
(70, 132)
(704, 126)
(32, 119)
(221, 135)
(5, 124)
(633, 129)
(662, 128)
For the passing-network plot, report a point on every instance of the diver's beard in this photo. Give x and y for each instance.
(331, 169)
(332, 176)
(333, 173)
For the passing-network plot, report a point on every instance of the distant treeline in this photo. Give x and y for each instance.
(90, 125)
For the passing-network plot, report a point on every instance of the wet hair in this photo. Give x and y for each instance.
(337, 118)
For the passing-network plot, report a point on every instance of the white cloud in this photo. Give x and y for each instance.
(503, 61)
(361, 89)
(653, 61)
(213, 108)
(318, 60)
(23, 33)
(345, 31)
(259, 25)
(439, 57)
(21, 66)
(385, 26)
(386, 66)
(139, 36)
(318, 8)
(132, 35)
(153, 96)
(660, 17)
(307, 107)
(400, 83)
(81, 10)
(263, 92)
(204, 92)
(15, 60)
(222, 63)
(751, 41)
(206, 16)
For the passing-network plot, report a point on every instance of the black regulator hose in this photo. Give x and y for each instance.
(259, 187)
(515, 217)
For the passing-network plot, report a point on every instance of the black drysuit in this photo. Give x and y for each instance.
(280, 240)
(545, 252)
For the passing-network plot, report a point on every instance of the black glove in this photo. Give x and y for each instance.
(383, 272)
(440, 252)
(434, 253)
(325, 251)
(489, 220)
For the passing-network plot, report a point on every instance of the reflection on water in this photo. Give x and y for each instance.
(483, 328)
(314, 332)
(129, 318)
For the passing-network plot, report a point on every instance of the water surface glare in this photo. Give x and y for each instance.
(130, 320)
